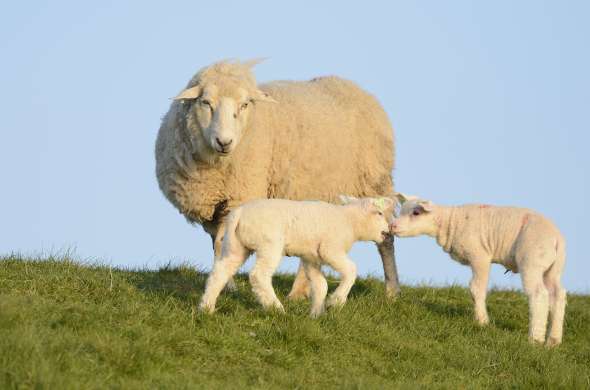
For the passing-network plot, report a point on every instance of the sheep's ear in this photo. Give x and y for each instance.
(253, 62)
(261, 96)
(189, 93)
(426, 205)
(345, 199)
(403, 198)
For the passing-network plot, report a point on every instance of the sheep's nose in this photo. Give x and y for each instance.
(223, 144)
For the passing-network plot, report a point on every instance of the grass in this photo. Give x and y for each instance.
(65, 325)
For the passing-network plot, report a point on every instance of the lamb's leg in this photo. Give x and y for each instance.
(267, 261)
(557, 302)
(217, 239)
(319, 287)
(387, 252)
(223, 270)
(478, 286)
(301, 286)
(534, 288)
(347, 270)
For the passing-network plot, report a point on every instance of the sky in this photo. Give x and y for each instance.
(489, 101)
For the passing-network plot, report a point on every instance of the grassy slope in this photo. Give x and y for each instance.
(62, 326)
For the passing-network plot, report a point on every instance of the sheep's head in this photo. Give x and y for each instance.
(218, 102)
(376, 215)
(417, 216)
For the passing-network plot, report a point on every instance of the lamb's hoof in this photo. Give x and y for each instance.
(298, 295)
(536, 341)
(231, 286)
(483, 322)
(207, 308)
(335, 302)
(316, 313)
(552, 342)
(275, 308)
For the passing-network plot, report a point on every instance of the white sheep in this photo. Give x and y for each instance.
(318, 232)
(225, 141)
(519, 239)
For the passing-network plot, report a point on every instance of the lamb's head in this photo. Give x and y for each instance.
(217, 104)
(374, 216)
(416, 217)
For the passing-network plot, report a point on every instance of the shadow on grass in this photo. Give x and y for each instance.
(187, 285)
(448, 310)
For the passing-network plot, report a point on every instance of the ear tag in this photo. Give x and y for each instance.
(380, 204)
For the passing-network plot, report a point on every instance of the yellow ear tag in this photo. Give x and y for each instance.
(380, 204)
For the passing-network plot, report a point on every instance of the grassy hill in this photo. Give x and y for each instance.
(65, 325)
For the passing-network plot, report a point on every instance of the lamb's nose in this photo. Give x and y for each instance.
(223, 144)
(393, 226)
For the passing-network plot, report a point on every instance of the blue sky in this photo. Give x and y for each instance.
(489, 100)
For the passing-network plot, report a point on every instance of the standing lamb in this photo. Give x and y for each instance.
(318, 232)
(519, 239)
(226, 141)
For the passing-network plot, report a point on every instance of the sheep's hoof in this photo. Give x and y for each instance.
(392, 292)
(552, 342)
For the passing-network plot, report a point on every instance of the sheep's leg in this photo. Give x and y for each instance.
(347, 270)
(301, 286)
(534, 288)
(387, 252)
(319, 287)
(223, 270)
(267, 261)
(217, 238)
(557, 302)
(478, 286)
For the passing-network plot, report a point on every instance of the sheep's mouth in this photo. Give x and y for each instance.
(224, 152)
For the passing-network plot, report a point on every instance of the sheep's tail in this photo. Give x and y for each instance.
(230, 238)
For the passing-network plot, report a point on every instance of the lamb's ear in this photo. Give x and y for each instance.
(426, 205)
(403, 198)
(261, 96)
(189, 93)
(345, 199)
(383, 203)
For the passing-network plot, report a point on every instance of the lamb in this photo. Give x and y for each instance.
(519, 239)
(225, 141)
(318, 232)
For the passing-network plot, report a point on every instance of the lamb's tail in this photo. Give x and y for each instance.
(554, 272)
(230, 238)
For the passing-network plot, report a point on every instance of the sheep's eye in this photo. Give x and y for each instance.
(416, 212)
(243, 106)
(205, 102)
(380, 213)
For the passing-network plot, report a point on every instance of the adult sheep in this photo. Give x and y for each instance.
(225, 140)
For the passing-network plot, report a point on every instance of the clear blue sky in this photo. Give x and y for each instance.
(489, 100)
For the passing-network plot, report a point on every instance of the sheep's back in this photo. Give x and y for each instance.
(330, 138)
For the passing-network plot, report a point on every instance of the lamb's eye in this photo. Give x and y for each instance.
(205, 102)
(243, 106)
(416, 212)
(380, 213)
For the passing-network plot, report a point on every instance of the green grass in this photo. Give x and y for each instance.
(69, 326)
